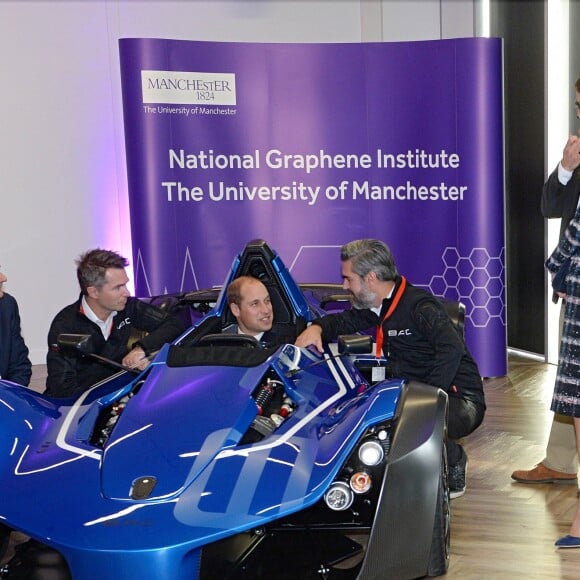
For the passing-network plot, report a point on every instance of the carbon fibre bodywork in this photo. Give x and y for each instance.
(229, 461)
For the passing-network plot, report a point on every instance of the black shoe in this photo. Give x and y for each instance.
(457, 476)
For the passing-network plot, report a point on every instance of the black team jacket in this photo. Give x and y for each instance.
(420, 342)
(69, 374)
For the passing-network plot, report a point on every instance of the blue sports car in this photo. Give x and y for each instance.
(228, 459)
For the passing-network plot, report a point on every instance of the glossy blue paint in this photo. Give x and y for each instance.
(183, 426)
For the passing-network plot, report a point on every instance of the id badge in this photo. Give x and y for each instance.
(378, 374)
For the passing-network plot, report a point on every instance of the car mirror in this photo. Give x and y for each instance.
(81, 343)
(355, 344)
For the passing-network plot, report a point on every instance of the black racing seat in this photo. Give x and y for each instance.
(456, 311)
(256, 261)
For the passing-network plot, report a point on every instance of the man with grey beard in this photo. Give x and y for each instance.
(416, 336)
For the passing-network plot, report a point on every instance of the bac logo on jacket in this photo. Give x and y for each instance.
(123, 323)
(404, 332)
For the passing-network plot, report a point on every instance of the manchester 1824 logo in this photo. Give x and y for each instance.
(188, 88)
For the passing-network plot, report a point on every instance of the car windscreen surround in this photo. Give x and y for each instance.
(234, 356)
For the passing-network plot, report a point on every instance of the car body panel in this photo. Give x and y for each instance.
(140, 476)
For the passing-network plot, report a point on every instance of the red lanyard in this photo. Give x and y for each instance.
(394, 304)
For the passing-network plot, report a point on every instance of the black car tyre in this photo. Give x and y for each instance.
(4, 540)
(440, 542)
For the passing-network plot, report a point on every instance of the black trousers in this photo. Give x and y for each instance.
(464, 418)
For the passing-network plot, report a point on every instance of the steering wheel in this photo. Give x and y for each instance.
(239, 340)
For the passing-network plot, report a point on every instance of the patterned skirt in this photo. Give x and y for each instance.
(566, 398)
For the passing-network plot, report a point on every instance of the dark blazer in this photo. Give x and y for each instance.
(14, 362)
(560, 201)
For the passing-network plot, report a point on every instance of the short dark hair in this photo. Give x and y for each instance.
(92, 267)
(370, 255)
(577, 85)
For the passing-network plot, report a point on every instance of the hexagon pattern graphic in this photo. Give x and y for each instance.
(477, 280)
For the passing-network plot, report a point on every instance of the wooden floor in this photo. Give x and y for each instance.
(502, 529)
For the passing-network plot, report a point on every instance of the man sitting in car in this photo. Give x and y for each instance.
(250, 303)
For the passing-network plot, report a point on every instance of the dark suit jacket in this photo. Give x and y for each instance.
(560, 201)
(14, 362)
(279, 334)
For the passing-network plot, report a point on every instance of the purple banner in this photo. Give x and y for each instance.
(309, 146)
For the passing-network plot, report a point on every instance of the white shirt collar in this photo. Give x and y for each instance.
(377, 309)
(105, 325)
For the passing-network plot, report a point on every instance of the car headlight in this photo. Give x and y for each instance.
(371, 453)
(360, 482)
(339, 496)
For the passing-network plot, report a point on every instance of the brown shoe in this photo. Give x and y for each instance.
(543, 474)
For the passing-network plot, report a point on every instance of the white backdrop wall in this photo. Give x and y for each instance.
(63, 184)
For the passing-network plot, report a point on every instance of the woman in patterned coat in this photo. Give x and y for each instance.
(566, 397)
